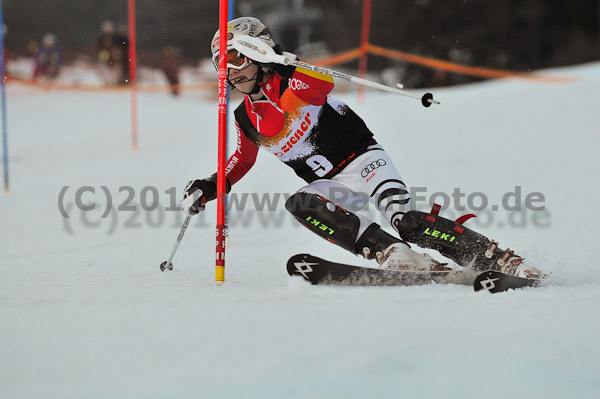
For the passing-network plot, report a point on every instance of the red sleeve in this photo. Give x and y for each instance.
(311, 87)
(243, 159)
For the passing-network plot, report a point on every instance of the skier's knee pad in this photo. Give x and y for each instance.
(450, 238)
(324, 218)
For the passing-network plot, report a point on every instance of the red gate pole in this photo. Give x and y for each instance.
(364, 43)
(222, 147)
(3, 99)
(132, 77)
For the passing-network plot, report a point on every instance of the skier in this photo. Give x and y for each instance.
(48, 58)
(113, 54)
(290, 113)
(171, 64)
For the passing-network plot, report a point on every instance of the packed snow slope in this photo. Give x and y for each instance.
(86, 313)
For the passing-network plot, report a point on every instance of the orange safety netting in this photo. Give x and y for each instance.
(336, 59)
(462, 69)
(96, 88)
(439, 65)
(324, 61)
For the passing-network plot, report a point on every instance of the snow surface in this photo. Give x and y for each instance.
(86, 313)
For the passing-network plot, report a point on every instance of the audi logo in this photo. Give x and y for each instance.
(371, 167)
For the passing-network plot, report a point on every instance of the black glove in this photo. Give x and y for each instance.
(285, 71)
(208, 192)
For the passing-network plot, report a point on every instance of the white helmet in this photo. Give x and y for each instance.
(241, 26)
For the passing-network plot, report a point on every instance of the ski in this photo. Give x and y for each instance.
(494, 281)
(319, 271)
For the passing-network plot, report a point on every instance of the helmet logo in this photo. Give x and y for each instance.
(243, 26)
(250, 28)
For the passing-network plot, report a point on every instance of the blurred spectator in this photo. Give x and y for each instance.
(48, 58)
(122, 43)
(113, 55)
(170, 66)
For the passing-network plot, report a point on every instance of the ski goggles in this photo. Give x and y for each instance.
(235, 60)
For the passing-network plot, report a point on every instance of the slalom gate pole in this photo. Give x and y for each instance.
(222, 146)
(364, 44)
(132, 76)
(230, 10)
(3, 94)
(230, 15)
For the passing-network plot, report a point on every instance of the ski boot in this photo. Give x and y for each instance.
(508, 263)
(400, 256)
(391, 253)
(460, 244)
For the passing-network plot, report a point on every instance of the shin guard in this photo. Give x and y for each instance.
(337, 225)
(324, 218)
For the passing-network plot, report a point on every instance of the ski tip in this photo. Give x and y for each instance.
(494, 281)
(298, 265)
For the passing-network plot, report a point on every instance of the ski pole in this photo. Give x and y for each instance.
(426, 99)
(261, 52)
(167, 265)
